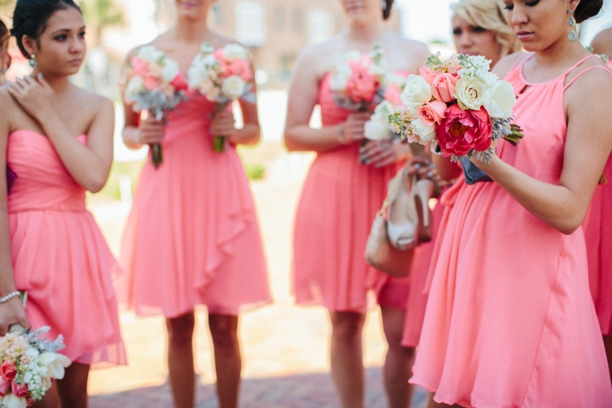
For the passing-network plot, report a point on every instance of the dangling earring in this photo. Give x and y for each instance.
(32, 61)
(383, 5)
(573, 35)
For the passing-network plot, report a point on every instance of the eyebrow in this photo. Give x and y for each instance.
(63, 30)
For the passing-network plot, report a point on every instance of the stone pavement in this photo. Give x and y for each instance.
(285, 361)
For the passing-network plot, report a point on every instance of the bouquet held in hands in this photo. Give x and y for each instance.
(153, 83)
(222, 76)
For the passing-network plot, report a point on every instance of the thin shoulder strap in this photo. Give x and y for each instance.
(584, 71)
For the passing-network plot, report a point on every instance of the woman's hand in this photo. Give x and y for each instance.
(34, 95)
(12, 312)
(380, 153)
(223, 124)
(352, 129)
(151, 130)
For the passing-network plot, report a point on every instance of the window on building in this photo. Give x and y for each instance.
(320, 26)
(250, 23)
(279, 18)
(296, 20)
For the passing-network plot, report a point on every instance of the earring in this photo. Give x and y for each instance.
(32, 61)
(383, 5)
(573, 35)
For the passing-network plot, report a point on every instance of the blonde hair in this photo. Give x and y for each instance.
(488, 14)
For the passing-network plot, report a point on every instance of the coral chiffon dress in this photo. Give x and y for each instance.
(598, 234)
(192, 237)
(339, 200)
(510, 320)
(59, 254)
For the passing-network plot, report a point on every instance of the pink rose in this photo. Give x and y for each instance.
(427, 74)
(443, 87)
(432, 112)
(361, 86)
(5, 386)
(19, 390)
(464, 130)
(139, 67)
(241, 68)
(393, 94)
(179, 82)
(8, 370)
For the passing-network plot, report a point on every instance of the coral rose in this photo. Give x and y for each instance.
(464, 130)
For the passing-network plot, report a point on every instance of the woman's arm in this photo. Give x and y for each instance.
(588, 144)
(89, 165)
(12, 310)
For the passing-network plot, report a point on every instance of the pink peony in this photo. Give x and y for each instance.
(361, 85)
(432, 112)
(464, 130)
(443, 87)
(179, 82)
(19, 390)
(241, 68)
(150, 82)
(8, 370)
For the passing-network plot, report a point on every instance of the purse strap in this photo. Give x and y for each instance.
(393, 186)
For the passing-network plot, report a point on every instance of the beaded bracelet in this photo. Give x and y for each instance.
(9, 296)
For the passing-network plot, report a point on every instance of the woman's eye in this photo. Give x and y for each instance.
(509, 6)
(82, 34)
(478, 30)
(61, 37)
(532, 3)
(457, 31)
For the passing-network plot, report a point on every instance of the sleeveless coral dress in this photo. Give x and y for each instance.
(510, 321)
(192, 237)
(339, 200)
(598, 234)
(59, 254)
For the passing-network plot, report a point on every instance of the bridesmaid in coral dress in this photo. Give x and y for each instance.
(598, 230)
(339, 200)
(479, 28)
(193, 237)
(58, 140)
(510, 321)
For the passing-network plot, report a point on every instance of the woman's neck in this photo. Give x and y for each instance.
(59, 83)
(560, 54)
(191, 31)
(365, 33)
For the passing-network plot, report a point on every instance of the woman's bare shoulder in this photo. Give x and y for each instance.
(504, 65)
(602, 43)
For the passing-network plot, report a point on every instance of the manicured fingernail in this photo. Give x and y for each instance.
(366, 161)
(40, 75)
(361, 150)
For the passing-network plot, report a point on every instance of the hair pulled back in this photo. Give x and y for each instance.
(387, 9)
(488, 14)
(30, 18)
(587, 9)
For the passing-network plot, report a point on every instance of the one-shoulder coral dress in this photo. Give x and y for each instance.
(510, 321)
(192, 237)
(59, 254)
(339, 200)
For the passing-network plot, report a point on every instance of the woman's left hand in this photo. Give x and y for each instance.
(380, 153)
(34, 95)
(223, 124)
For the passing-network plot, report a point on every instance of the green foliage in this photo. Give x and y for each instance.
(255, 171)
(100, 14)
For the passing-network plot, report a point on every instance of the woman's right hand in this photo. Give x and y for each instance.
(151, 130)
(12, 312)
(353, 128)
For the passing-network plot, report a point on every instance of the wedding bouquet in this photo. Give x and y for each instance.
(222, 76)
(358, 81)
(378, 127)
(28, 364)
(459, 105)
(153, 83)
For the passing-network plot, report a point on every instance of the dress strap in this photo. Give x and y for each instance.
(584, 71)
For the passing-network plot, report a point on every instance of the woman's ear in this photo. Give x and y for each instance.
(29, 44)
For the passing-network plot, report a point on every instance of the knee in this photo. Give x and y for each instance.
(224, 331)
(180, 331)
(347, 329)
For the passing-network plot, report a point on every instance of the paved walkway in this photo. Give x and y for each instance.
(284, 346)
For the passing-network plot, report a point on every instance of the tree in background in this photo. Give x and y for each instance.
(98, 15)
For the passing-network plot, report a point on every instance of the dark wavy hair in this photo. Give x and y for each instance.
(587, 9)
(387, 9)
(30, 18)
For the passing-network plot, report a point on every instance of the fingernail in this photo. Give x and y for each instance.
(40, 75)
(361, 150)
(366, 161)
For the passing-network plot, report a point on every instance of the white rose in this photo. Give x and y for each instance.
(470, 92)
(499, 100)
(233, 87)
(423, 131)
(339, 78)
(416, 92)
(170, 71)
(11, 401)
(54, 363)
(234, 51)
(376, 129)
(150, 53)
(352, 55)
(134, 87)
